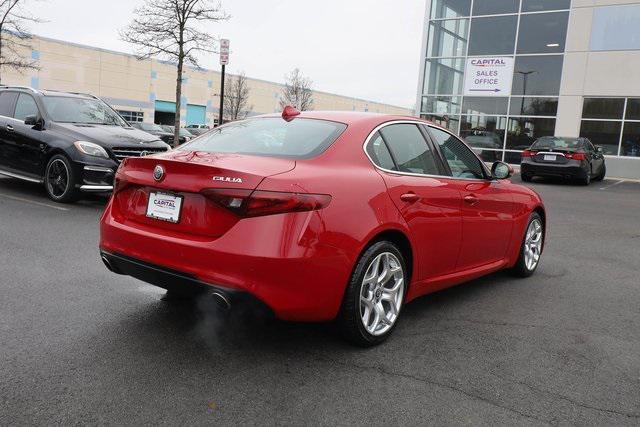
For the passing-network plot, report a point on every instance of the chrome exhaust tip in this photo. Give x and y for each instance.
(222, 300)
(106, 262)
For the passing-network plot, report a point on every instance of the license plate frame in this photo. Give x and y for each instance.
(170, 212)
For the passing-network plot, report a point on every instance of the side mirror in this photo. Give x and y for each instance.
(31, 120)
(599, 149)
(501, 170)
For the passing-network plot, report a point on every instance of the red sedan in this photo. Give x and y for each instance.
(320, 216)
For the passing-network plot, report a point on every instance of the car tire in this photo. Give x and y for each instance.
(586, 180)
(371, 306)
(602, 174)
(525, 177)
(531, 247)
(60, 180)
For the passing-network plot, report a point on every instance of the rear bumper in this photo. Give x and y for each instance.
(276, 259)
(545, 169)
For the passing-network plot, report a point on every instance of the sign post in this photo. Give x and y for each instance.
(224, 60)
(489, 76)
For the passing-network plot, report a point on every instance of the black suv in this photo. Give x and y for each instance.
(71, 142)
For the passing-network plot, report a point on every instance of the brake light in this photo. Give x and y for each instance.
(248, 203)
(527, 153)
(576, 156)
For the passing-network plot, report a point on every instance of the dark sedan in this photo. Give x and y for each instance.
(570, 158)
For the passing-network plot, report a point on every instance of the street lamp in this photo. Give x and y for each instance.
(525, 76)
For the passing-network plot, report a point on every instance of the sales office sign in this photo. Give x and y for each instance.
(489, 76)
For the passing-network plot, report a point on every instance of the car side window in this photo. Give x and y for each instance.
(7, 100)
(461, 160)
(409, 149)
(379, 153)
(26, 106)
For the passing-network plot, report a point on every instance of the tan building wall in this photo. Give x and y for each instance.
(134, 85)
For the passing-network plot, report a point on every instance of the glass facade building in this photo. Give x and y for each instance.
(564, 62)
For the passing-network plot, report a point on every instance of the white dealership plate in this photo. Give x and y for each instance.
(163, 206)
(550, 157)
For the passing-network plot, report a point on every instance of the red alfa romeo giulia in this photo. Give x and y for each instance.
(320, 216)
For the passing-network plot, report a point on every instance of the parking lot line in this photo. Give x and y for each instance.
(33, 202)
(612, 185)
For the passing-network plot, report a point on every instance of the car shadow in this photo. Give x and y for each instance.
(35, 192)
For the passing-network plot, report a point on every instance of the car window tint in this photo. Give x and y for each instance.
(26, 106)
(7, 100)
(410, 150)
(462, 162)
(379, 153)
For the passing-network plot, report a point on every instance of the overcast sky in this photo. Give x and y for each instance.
(363, 48)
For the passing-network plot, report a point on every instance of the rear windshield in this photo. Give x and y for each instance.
(299, 138)
(558, 143)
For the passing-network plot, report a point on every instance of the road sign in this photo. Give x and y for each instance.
(489, 76)
(224, 51)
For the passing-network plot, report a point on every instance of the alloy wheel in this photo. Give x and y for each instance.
(381, 293)
(57, 178)
(533, 244)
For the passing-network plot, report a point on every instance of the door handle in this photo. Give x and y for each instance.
(10, 128)
(410, 197)
(471, 199)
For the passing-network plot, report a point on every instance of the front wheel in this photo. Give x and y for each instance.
(60, 181)
(531, 248)
(374, 296)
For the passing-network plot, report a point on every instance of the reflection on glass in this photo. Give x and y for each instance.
(605, 134)
(449, 122)
(488, 155)
(443, 76)
(615, 28)
(537, 75)
(483, 131)
(542, 32)
(523, 131)
(448, 38)
(441, 104)
(514, 158)
(540, 5)
(521, 106)
(602, 108)
(450, 8)
(631, 140)
(633, 109)
(495, 7)
(484, 105)
(493, 36)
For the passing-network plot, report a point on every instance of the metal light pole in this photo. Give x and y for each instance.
(525, 76)
(224, 60)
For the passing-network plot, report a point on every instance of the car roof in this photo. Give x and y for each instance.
(352, 117)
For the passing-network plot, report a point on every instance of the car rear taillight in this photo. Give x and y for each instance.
(527, 153)
(576, 156)
(248, 203)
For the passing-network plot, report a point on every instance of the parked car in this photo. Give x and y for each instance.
(156, 130)
(185, 135)
(320, 216)
(70, 142)
(198, 129)
(570, 158)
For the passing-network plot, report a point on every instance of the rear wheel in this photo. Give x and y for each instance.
(59, 180)
(586, 180)
(374, 296)
(531, 248)
(525, 177)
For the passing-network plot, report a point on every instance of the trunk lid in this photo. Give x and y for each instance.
(186, 174)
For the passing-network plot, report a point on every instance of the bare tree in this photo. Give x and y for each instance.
(297, 91)
(236, 100)
(14, 36)
(169, 29)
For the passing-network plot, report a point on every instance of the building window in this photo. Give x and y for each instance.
(542, 32)
(537, 75)
(544, 5)
(495, 7)
(443, 76)
(450, 8)
(441, 104)
(132, 116)
(484, 105)
(613, 124)
(495, 35)
(525, 106)
(615, 28)
(448, 38)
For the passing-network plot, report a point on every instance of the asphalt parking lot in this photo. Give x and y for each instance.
(81, 345)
